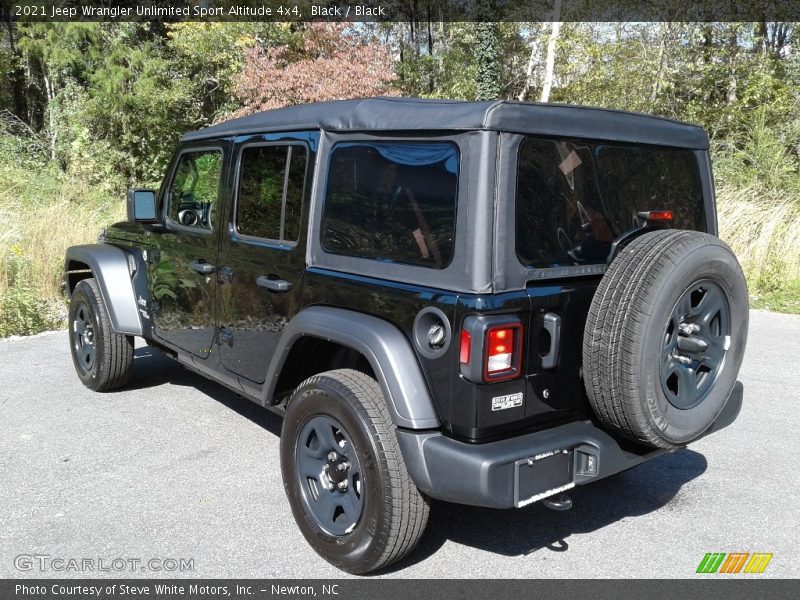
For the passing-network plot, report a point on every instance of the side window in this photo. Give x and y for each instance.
(194, 191)
(392, 201)
(270, 195)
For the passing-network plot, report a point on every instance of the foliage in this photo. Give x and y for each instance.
(486, 52)
(325, 61)
(111, 99)
(22, 310)
(87, 109)
(42, 212)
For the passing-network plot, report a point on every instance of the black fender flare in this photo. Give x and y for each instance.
(109, 266)
(385, 347)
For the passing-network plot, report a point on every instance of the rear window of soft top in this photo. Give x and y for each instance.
(574, 197)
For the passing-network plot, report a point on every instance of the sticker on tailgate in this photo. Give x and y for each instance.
(509, 401)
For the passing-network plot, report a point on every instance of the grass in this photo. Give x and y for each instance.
(42, 212)
(763, 229)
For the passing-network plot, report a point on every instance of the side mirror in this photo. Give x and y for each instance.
(141, 206)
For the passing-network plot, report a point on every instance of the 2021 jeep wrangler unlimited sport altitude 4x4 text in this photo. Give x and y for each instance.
(483, 303)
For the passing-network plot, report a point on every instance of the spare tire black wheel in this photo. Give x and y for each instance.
(665, 337)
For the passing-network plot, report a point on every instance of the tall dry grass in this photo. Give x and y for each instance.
(41, 214)
(763, 229)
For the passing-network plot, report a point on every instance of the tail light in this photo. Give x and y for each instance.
(656, 215)
(491, 348)
(502, 352)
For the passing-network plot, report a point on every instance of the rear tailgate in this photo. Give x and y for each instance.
(574, 198)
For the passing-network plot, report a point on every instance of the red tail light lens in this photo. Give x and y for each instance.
(659, 215)
(503, 352)
(466, 343)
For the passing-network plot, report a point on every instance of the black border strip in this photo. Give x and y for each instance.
(707, 587)
(400, 10)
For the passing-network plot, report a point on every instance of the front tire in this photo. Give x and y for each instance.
(344, 475)
(103, 359)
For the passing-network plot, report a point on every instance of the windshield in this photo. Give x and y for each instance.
(575, 197)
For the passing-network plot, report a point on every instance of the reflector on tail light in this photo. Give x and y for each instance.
(466, 343)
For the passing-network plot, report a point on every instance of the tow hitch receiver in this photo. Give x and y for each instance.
(559, 502)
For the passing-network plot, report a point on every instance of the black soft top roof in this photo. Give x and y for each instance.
(415, 114)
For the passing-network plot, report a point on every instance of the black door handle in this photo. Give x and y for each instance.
(273, 285)
(552, 325)
(202, 266)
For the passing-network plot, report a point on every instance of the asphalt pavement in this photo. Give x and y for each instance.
(176, 468)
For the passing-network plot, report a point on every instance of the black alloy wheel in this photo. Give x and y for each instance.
(696, 343)
(329, 475)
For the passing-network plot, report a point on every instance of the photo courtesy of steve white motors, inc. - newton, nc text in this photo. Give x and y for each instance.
(391, 299)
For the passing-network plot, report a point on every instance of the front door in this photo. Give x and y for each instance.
(181, 266)
(262, 257)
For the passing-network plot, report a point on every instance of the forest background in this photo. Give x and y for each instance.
(88, 109)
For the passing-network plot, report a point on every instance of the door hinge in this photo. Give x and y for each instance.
(224, 275)
(225, 336)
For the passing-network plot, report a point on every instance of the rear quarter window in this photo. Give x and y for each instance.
(270, 191)
(392, 201)
(575, 197)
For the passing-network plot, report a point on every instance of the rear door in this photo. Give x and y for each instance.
(181, 263)
(573, 199)
(262, 255)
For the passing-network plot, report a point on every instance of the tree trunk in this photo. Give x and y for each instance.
(665, 27)
(549, 68)
(535, 49)
(431, 79)
(52, 128)
(733, 47)
(488, 87)
(33, 94)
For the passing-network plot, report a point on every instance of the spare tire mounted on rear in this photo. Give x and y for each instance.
(665, 337)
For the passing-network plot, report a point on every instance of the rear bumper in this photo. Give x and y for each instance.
(504, 474)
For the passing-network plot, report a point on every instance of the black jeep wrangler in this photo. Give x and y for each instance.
(482, 303)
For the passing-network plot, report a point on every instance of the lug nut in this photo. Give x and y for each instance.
(343, 466)
(332, 455)
(689, 328)
(342, 485)
(684, 360)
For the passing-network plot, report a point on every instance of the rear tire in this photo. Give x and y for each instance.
(337, 429)
(103, 359)
(665, 337)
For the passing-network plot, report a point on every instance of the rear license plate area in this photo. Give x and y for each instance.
(542, 475)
